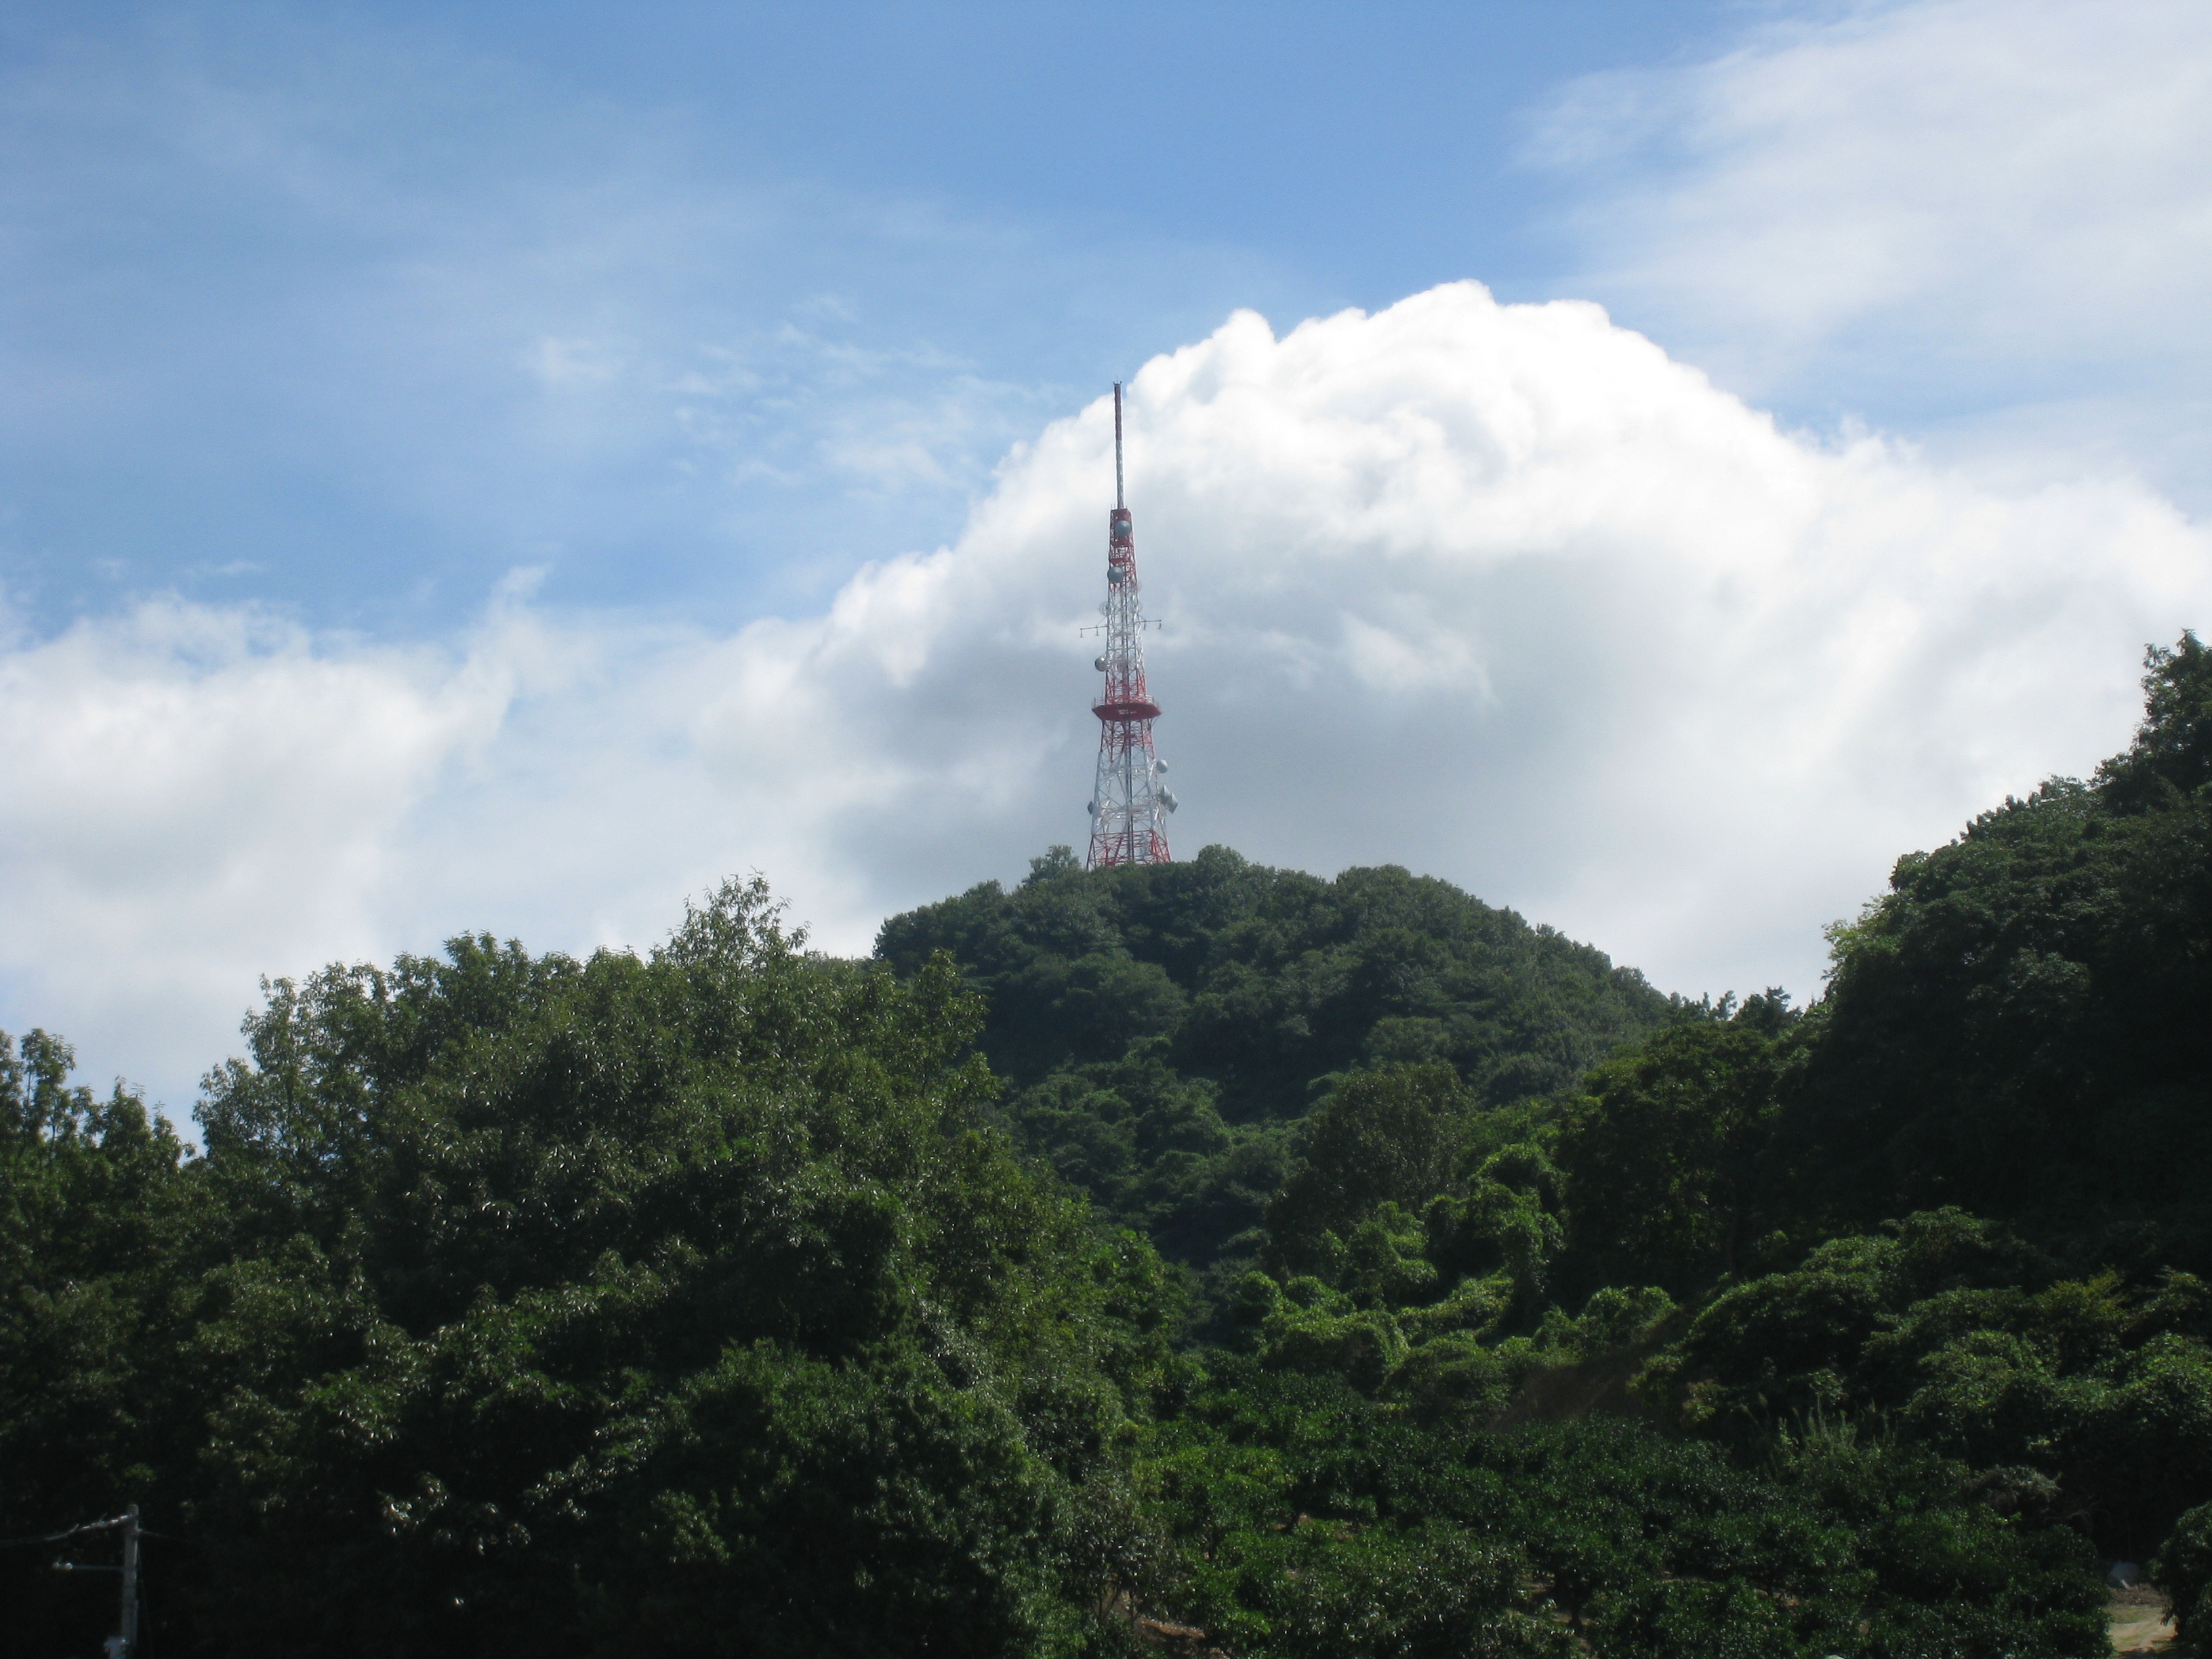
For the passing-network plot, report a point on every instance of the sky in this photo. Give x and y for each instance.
(489, 468)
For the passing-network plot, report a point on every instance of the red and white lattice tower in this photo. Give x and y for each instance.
(1130, 806)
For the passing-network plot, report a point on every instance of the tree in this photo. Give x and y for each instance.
(690, 1302)
(95, 1201)
(1386, 1136)
(1661, 1149)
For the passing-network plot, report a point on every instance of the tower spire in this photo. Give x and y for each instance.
(1117, 443)
(1129, 805)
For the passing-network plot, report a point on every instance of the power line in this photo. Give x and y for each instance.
(63, 1537)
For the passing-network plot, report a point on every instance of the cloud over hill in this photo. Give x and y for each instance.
(1500, 593)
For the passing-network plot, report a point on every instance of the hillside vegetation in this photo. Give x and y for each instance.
(1166, 1260)
(1161, 1028)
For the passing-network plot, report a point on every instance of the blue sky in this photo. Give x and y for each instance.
(508, 467)
(279, 270)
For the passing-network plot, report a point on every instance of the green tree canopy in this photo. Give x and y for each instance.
(1664, 1149)
(1161, 1023)
(2018, 1027)
(680, 1304)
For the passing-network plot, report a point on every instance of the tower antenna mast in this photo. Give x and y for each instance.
(1129, 805)
(1117, 443)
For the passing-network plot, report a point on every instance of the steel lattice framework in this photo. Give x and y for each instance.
(1130, 806)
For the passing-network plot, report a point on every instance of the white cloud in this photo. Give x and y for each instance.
(192, 791)
(1498, 593)
(1996, 212)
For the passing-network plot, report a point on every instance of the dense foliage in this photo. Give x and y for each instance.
(2018, 1026)
(1316, 1523)
(521, 1304)
(1163, 1026)
(1315, 1268)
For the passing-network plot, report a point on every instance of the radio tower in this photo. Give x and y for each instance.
(1129, 807)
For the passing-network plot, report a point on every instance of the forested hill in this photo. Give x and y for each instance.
(1161, 1026)
(720, 1301)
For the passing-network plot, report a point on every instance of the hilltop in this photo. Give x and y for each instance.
(1161, 1030)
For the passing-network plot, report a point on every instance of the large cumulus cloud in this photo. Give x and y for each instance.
(1497, 592)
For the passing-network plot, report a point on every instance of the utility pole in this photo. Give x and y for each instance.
(1128, 804)
(130, 1582)
(125, 1644)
